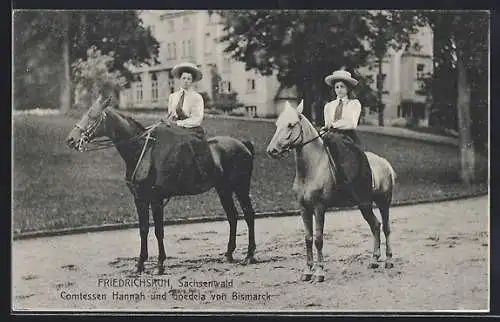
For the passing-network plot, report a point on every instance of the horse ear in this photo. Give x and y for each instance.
(300, 108)
(99, 102)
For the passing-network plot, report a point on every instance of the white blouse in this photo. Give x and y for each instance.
(350, 114)
(193, 107)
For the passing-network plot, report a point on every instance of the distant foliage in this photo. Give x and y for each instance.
(41, 65)
(93, 77)
(226, 102)
(301, 47)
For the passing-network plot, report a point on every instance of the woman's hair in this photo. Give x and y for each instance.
(350, 89)
(186, 70)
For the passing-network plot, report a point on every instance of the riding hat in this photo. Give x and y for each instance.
(187, 67)
(340, 75)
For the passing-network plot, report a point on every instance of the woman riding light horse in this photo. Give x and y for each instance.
(316, 186)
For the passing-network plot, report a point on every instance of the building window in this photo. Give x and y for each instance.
(226, 65)
(171, 85)
(138, 90)
(207, 44)
(250, 85)
(163, 52)
(420, 71)
(251, 110)
(183, 49)
(420, 83)
(154, 87)
(225, 87)
(174, 50)
(171, 26)
(169, 51)
(189, 48)
(185, 23)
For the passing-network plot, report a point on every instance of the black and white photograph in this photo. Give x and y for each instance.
(255, 161)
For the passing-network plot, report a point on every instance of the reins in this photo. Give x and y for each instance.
(102, 144)
(300, 137)
(106, 143)
(293, 145)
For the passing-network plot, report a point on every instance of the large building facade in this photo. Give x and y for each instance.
(192, 35)
(405, 72)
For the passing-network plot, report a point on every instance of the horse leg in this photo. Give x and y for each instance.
(249, 213)
(307, 214)
(157, 209)
(372, 220)
(383, 205)
(319, 212)
(226, 198)
(142, 207)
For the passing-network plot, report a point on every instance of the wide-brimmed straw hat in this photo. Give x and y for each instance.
(187, 67)
(340, 75)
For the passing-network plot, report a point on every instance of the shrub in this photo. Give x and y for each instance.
(226, 102)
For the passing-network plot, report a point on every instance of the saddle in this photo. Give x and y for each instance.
(349, 162)
(178, 159)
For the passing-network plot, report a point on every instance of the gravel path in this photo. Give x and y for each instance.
(441, 258)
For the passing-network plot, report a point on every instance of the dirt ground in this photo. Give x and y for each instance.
(441, 256)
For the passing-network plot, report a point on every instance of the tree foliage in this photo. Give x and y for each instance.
(464, 36)
(93, 76)
(301, 47)
(44, 34)
(389, 29)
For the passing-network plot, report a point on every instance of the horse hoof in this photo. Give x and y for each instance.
(306, 277)
(140, 269)
(373, 265)
(389, 265)
(319, 278)
(249, 260)
(160, 271)
(229, 259)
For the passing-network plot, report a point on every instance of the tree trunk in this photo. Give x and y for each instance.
(65, 96)
(380, 89)
(467, 160)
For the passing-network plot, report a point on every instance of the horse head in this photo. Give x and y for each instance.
(289, 132)
(89, 126)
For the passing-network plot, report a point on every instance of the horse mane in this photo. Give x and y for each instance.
(130, 120)
(309, 124)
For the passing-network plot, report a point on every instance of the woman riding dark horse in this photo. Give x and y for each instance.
(341, 119)
(185, 107)
(182, 132)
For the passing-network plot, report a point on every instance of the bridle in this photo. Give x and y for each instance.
(298, 142)
(88, 133)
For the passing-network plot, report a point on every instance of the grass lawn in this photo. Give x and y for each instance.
(55, 187)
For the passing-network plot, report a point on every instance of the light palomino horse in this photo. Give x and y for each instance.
(315, 184)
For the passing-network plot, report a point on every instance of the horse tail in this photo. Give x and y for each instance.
(393, 174)
(249, 146)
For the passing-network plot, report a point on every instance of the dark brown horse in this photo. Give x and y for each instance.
(233, 159)
(315, 183)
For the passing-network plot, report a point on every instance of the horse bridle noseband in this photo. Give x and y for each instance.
(298, 142)
(89, 132)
